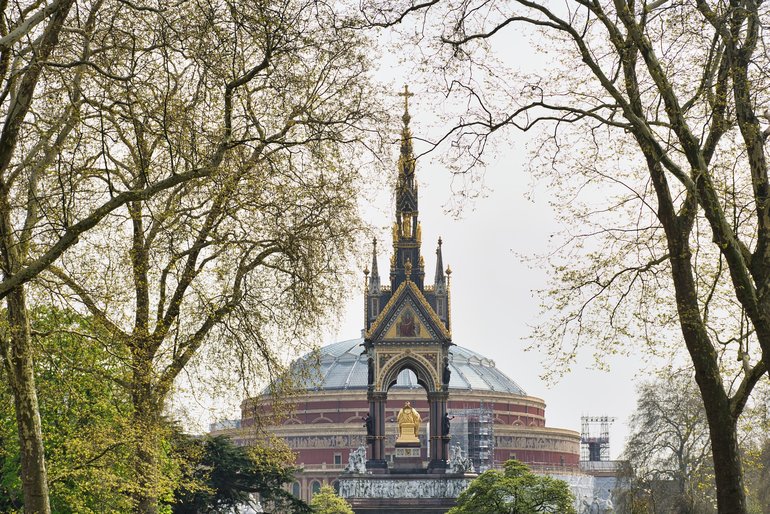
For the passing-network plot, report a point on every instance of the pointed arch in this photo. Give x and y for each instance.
(425, 374)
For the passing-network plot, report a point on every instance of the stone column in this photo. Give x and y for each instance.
(377, 462)
(438, 442)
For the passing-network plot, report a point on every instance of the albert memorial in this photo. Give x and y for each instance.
(403, 417)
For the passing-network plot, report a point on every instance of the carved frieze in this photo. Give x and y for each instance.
(535, 443)
(366, 487)
(325, 441)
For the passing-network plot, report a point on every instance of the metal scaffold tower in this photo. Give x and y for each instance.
(473, 429)
(595, 446)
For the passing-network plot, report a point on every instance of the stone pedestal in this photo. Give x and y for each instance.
(408, 457)
(377, 466)
(403, 493)
(408, 434)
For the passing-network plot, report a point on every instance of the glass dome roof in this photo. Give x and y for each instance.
(342, 366)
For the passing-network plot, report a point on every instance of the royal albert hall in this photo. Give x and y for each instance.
(491, 418)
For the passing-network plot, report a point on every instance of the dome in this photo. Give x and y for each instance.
(343, 366)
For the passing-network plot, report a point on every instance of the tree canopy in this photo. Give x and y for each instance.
(667, 452)
(516, 490)
(223, 476)
(326, 501)
(86, 420)
(161, 162)
(668, 448)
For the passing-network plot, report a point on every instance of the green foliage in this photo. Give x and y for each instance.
(759, 478)
(515, 491)
(326, 501)
(84, 415)
(222, 476)
(10, 465)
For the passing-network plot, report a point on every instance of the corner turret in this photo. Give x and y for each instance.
(373, 289)
(440, 298)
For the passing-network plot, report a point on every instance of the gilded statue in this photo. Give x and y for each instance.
(406, 224)
(408, 424)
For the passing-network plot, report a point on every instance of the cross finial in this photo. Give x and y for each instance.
(406, 94)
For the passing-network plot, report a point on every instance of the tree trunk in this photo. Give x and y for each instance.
(728, 473)
(20, 368)
(731, 498)
(147, 426)
(728, 470)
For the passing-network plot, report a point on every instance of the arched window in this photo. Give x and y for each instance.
(315, 486)
(295, 489)
(336, 485)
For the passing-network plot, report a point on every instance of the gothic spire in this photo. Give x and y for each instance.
(406, 188)
(406, 230)
(440, 279)
(374, 278)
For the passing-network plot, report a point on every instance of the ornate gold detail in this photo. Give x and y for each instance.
(408, 424)
(419, 232)
(443, 331)
(407, 326)
(406, 224)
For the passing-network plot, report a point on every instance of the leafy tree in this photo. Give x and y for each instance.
(55, 58)
(654, 141)
(85, 418)
(224, 476)
(516, 490)
(668, 448)
(107, 103)
(250, 259)
(326, 501)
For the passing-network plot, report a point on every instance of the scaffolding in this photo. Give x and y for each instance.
(473, 429)
(595, 447)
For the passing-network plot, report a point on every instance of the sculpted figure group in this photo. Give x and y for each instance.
(357, 461)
